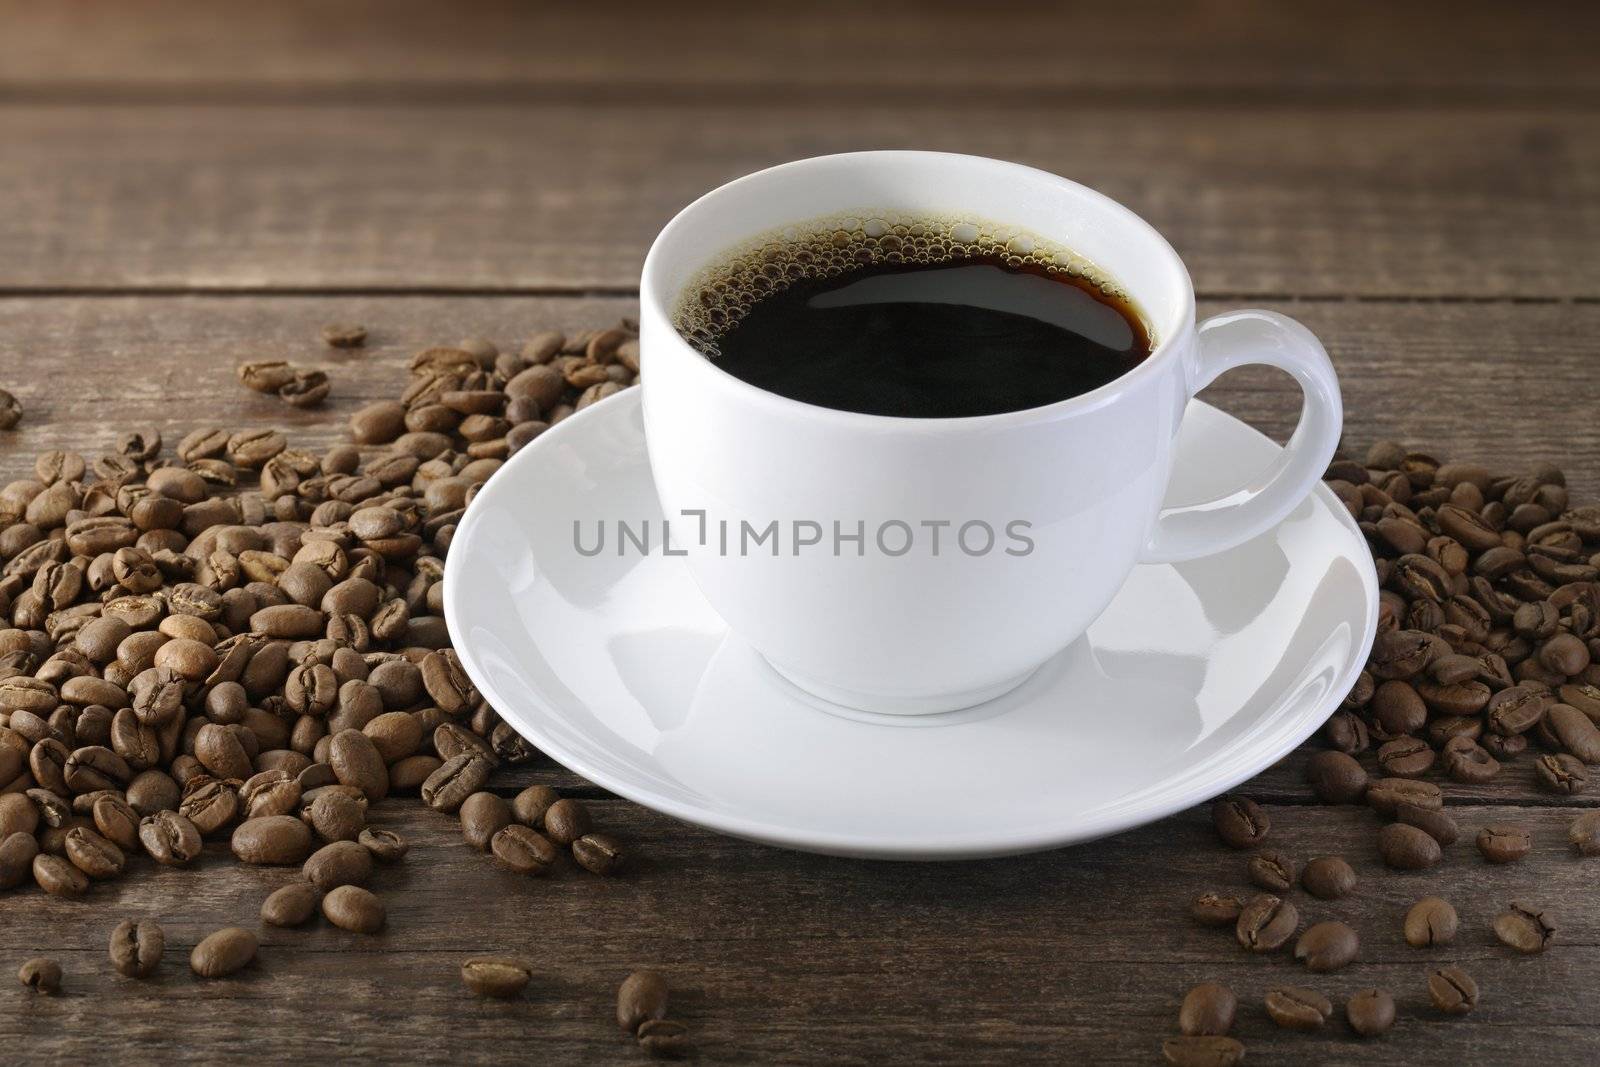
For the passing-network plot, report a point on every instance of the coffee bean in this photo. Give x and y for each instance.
(1430, 921)
(169, 838)
(458, 778)
(352, 908)
(1407, 848)
(342, 335)
(1452, 990)
(93, 854)
(1524, 927)
(1328, 878)
(339, 863)
(1202, 1051)
(482, 815)
(1584, 834)
(116, 821)
(1336, 778)
(641, 997)
(1406, 757)
(136, 947)
(1467, 761)
(523, 849)
(1504, 844)
(1271, 871)
(10, 411)
(1433, 822)
(1327, 946)
(1266, 923)
(224, 952)
(496, 976)
(58, 877)
(1239, 822)
(17, 851)
(663, 1038)
(566, 820)
(386, 846)
(357, 762)
(1215, 909)
(530, 805)
(1207, 1010)
(291, 905)
(1561, 773)
(599, 854)
(1347, 733)
(41, 974)
(276, 839)
(1295, 1008)
(1370, 1012)
(1386, 794)
(337, 816)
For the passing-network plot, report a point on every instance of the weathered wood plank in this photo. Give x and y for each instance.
(1334, 201)
(1077, 955)
(1469, 381)
(1432, 49)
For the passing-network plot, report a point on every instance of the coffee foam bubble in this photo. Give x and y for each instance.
(721, 294)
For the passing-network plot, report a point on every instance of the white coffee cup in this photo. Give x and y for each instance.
(923, 631)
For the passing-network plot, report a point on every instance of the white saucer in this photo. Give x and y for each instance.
(1198, 676)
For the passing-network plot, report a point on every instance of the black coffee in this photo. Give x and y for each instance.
(912, 320)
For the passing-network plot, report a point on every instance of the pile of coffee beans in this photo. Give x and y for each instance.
(1487, 658)
(236, 640)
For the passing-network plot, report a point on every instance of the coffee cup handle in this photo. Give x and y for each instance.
(1236, 339)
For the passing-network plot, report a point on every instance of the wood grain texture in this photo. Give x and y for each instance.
(1072, 956)
(1234, 47)
(1335, 201)
(1456, 378)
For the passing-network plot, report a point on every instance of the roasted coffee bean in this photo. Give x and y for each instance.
(58, 877)
(1452, 990)
(1523, 927)
(1239, 821)
(599, 854)
(1370, 1012)
(1336, 778)
(337, 816)
(1347, 733)
(40, 974)
(641, 998)
(136, 947)
(523, 849)
(224, 952)
(1272, 871)
(1584, 834)
(1435, 823)
(566, 820)
(482, 815)
(670, 1039)
(1516, 710)
(291, 905)
(116, 820)
(1575, 732)
(339, 863)
(386, 846)
(1208, 1010)
(530, 805)
(93, 854)
(1328, 878)
(1467, 761)
(458, 778)
(1266, 923)
(210, 806)
(1215, 909)
(352, 908)
(169, 838)
(1406, 757)
(1407, 848)
(496, 976)
(1327, 946)
(10, 412)
(1561, 773)
(1430, 921)
(1199, 1051)
(1386, 794)
(275, 839)
(1504, 844)
(17, 852)
(1295, 1008)
(357, 762)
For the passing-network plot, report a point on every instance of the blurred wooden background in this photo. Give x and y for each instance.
(185, 185)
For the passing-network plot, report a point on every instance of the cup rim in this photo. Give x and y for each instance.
(652, 301)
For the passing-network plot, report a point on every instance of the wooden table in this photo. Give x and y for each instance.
(184, 186)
